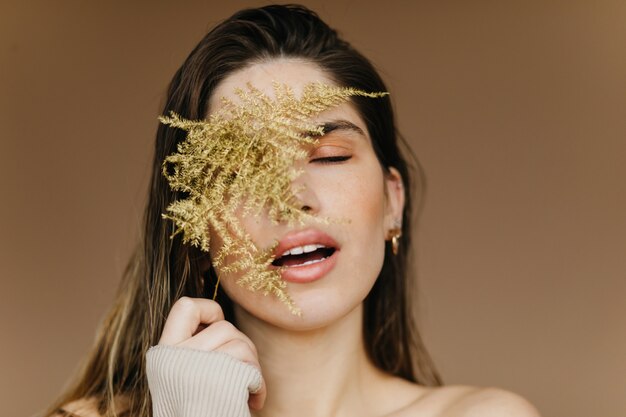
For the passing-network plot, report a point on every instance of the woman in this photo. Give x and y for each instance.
(353, 350)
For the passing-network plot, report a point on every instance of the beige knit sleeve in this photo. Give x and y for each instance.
(186, 382)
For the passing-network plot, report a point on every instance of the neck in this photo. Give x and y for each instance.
(321, 372)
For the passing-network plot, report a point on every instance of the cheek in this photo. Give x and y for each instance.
(357, 200)
(363, 205)
(361, 197)
(368, 217)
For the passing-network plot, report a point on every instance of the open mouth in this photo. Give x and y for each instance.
(304, 255)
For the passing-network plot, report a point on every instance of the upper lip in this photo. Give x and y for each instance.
(304, 237)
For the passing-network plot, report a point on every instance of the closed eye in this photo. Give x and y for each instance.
(331, 159)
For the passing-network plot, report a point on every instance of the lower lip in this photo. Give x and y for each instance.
(311, 272)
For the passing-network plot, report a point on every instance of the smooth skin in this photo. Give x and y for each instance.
(316, 365)
(378, 394)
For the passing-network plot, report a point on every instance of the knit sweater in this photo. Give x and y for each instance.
(186, 382)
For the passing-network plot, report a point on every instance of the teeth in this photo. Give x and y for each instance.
(299, 250)
(309, 248)
(311, 262)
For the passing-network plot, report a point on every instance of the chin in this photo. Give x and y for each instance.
(319, 309)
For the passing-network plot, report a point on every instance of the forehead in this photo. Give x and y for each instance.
(294, 72)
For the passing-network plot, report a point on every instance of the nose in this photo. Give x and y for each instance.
(305, 193)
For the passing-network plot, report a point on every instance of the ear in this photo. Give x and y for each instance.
(394, 191)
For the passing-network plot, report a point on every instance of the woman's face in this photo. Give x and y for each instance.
(343, 181)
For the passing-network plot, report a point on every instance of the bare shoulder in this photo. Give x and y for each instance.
(468, 401)
(491, 402)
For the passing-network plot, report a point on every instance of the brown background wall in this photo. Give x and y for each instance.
(516, 110)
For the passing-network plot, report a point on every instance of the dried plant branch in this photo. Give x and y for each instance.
(241, 162)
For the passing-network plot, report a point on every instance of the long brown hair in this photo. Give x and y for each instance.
(163, 269)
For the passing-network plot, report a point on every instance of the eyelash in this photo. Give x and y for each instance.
(332, 159)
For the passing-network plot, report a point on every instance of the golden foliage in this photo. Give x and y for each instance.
(240, 163)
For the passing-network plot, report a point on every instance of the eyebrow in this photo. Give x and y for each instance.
(340, 125)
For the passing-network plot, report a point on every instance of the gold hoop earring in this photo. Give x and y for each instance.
(395, 234)
(395, 243)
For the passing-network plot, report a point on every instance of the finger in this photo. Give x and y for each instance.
(185, 317)
(216, 335)
(241, 351)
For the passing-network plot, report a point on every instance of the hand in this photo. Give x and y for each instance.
(198, 323)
